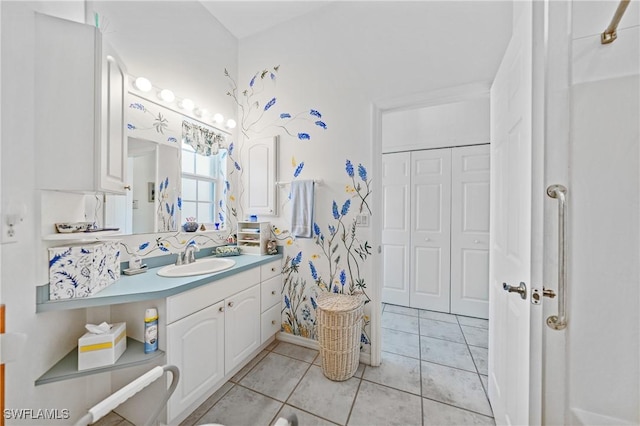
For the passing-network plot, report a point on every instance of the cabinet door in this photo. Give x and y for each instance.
(242, 326)
(262, 173)
(430, 229)
(470, 231)
(65, 111)
(195, 344)
(112, 141)
(396, 227)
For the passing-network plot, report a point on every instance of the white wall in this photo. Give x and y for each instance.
(450, 124)
(603, 336)
(191, 63)
(343, 59)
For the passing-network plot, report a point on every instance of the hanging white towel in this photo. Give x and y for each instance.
(302, 208)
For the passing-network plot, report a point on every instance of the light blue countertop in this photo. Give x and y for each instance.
(149, 286)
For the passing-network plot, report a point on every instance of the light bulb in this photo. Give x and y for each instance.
(201, 112)
(187, 104)
(231, 123)
(167, 95)
(218, 118)
(142, 84)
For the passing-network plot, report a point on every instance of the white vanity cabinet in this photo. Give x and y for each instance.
(196, 345)
(80, 86)
(271, 289)
(242, 327)
(211, 330)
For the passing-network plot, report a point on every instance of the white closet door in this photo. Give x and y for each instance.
(430, 229)
(396, 222)
(470, 231)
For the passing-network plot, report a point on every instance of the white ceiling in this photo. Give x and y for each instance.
(246, 18)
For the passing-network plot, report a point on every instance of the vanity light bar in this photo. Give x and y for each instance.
(144, 85)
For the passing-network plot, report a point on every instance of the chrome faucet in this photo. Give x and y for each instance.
(188, 255)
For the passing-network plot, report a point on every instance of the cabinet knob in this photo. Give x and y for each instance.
(476, 241)
(273, 292)
(230, 304)
(273, 269)
(127, 187)
(273, 322)
(221, 309)
(427, 239)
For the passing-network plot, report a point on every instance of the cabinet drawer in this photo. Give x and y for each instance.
(270, 269)
(270, 292)
(270, 323)
(188, 302)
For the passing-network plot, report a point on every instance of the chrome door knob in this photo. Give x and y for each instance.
(521, 289)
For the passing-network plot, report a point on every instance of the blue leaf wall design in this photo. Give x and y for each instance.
(269, 104)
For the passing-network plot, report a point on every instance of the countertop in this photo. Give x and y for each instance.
(147, 286)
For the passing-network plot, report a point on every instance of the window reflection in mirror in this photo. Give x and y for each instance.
(158, 175)
(202, 186)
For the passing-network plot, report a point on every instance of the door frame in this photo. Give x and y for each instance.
(377, 110)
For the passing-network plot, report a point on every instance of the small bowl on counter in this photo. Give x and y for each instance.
(190, 226)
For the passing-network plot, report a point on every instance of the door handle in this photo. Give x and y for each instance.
(521, 289)
(559, 322)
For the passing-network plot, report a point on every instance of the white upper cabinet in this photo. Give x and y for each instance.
(262, 156)
(80, 87)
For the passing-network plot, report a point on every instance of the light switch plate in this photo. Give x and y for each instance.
(5, 238)
(362, 220)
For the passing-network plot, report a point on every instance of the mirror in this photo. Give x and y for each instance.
(140, 201)
(176, 170)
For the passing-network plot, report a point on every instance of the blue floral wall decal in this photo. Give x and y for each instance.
(167, 207)
(256, 106)
(343, 253)
(298, 169)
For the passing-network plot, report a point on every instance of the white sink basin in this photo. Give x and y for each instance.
(199, 267)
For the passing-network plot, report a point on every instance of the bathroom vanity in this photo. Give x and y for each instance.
(210, 325)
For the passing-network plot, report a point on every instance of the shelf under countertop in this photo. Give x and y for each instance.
(67, 367)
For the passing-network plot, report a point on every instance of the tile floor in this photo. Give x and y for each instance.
(433, 372)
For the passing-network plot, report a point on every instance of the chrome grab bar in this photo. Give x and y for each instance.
(559, 322)
(611, 33)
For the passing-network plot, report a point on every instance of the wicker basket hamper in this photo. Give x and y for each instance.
(339, 326)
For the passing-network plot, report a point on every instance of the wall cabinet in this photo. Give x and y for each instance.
(80, 85)
(436, 229)
(262, 173)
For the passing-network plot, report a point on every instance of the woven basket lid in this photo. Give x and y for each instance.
(335, 302)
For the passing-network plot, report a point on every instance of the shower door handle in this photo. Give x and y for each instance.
(559, 322)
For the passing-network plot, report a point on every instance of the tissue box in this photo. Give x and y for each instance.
(99, 350)
(83, 270)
